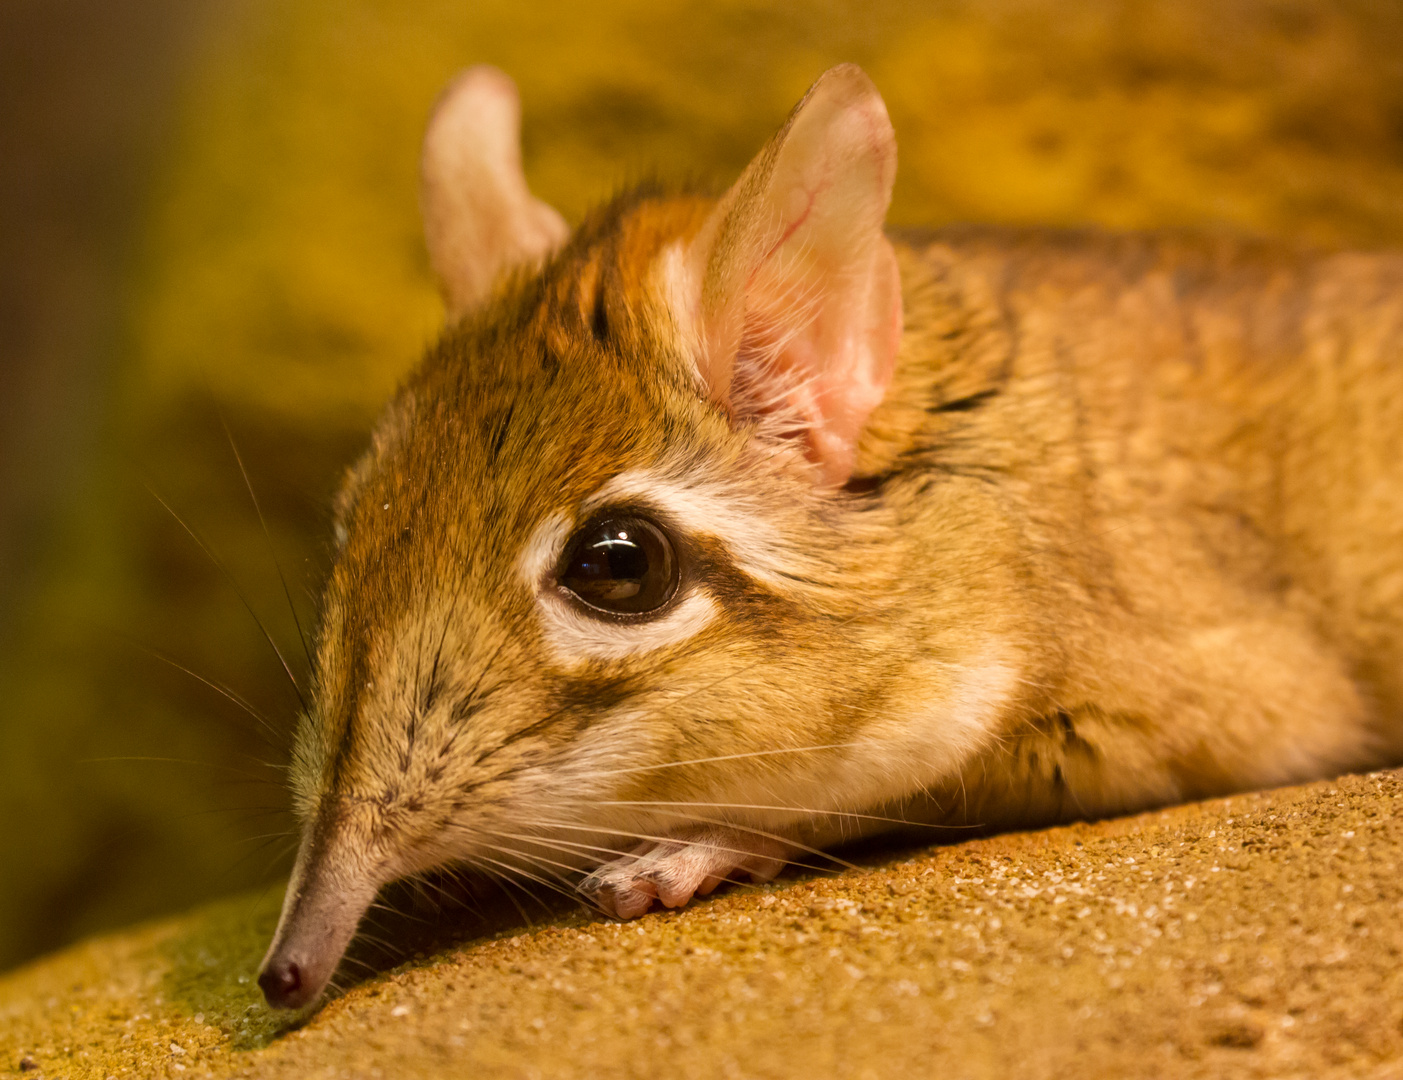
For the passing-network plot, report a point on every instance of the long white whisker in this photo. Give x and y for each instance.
(729, 757)
(557, 846)
(585, 896)
(657, 839)
(791, 809)
(502, 882)
(721, 823)
(549, 842)
(539, 861)
(563, 888)
(512, 871)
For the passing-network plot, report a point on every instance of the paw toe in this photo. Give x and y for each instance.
(634, 901)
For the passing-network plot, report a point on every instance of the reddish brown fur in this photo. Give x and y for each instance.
(1127, 528)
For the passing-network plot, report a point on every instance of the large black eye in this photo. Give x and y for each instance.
(623, 565)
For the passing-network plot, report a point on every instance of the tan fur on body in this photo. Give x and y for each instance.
(1125, 528)
(1193, 453)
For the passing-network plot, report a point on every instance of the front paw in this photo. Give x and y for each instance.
(689, 864)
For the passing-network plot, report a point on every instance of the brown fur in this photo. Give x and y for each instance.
(1127, 529)
(1198, 444)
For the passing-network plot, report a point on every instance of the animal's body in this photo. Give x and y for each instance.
(720, 530)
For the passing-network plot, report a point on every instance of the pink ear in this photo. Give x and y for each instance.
(790, 290)
(479, 216)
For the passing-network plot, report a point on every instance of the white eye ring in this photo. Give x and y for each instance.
(572, 637)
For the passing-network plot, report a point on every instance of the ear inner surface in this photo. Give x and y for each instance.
(790, 290)
(479, 216)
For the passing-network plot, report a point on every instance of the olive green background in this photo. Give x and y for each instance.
(262, 272)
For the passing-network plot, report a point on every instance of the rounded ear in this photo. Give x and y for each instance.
(479, 216)
(789, 293)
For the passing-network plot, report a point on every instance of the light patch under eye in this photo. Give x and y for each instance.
(573, 636)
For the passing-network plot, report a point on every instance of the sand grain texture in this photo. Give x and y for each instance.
(1257, 936)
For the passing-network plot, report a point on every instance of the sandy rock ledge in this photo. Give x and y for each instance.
(1258, 936)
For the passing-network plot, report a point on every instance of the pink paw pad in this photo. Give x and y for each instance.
(673, 871)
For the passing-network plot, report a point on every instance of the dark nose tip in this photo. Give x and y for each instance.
(281, 983)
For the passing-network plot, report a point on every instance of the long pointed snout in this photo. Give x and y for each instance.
(329, 892)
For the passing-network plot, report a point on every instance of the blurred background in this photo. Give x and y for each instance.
(209, 241)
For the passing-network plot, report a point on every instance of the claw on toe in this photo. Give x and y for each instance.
(631, 902)
(672, 894)
(674, 871)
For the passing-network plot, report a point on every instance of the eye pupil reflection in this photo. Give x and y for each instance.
(624, 566)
